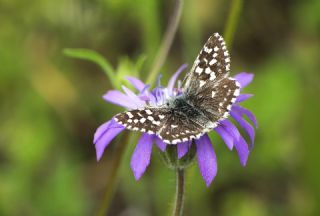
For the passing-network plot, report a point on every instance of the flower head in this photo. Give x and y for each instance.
(157, 97)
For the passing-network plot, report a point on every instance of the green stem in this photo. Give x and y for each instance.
(230, 28)
(166, 42)
(114, 170)
(179, 200)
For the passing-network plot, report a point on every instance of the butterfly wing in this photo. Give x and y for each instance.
(149, 119)
(211, 65)
(207, 85)
(216, 101)
(171, 127)
(178, 127)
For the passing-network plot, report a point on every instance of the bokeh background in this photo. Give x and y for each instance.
(51, 105)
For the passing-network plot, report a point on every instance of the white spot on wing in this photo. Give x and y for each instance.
(175, 141)
(199, 70)
(213, 94)
(142, 120)
(129, 114)
(150, 118)
(212, 76)
(148, 112)
(184, 139)
(228, 67)
(213, 61)
(208, 70)
(237, 92)
(202, 83)
(156, 122)
(208, 50)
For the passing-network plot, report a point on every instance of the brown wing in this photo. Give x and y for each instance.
(179, 128)
(211, 65)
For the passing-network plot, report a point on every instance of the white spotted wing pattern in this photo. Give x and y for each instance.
(207, 97)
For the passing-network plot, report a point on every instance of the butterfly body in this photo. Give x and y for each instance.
(206, 99)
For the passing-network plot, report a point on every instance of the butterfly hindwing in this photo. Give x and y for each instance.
(178, 127)
(216, 102)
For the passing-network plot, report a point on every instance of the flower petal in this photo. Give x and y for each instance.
(239, 143)
(161, 145)
(104, 135)
(141, 156)
(244, 78)
(101, 130)
(134, 98)
(243, 97)
(246, 112)
(136, 83)
(227, 138)
(173, 79)
(183, 148)
(118, 98)
(206, 159)
(245, 125)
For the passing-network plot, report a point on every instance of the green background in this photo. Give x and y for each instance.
(51, 105)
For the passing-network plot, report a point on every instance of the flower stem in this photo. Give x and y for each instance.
(166, 42)
(178, 206)
(230, 28)
(113, 180)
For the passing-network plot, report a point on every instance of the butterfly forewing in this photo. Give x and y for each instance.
(212, 64)
(148, 120)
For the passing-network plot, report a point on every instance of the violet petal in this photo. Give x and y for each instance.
(173, 79)
(246, 112)
(206, 159)
(101, 130)
(161, 145)
(136, 83)
(104, 135)
(141, 156)
(183, 148)
(244, 78)
(243, 97)
(239, 143)
(118, 98)
(227, 138)
(245, 125)
(134, 98)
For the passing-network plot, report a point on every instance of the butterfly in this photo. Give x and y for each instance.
(207, 96)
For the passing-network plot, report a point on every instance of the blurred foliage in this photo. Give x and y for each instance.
(51, 105)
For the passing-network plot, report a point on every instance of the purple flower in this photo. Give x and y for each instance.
(205, 152)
